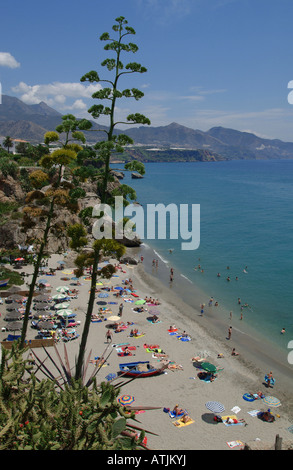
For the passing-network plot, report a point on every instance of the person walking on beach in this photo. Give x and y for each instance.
(229, 332)
(171, 274)
(109, 335)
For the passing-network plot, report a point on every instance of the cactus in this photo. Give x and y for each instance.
(37, 415)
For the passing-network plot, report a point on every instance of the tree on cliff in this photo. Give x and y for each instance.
(57, 195)
(113, 143)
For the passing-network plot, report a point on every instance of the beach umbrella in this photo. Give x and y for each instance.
(62, 289)
(61, 262)
(13, 306)
(45, 325)
(114, 318)
(103, 295)
(42, 281)
(59, 297)
(19, 259)
(14, 297)
(67, 272)
(62, 305)
(14, 326)
(42, 298)
(208, 367)
(271, 401)
(118, 288)
(41, 306)
(215, 406)
(101, 302)
(154, 311)
(140, 302)
(11, 316)
(65, 312)
(99, 284)
(125, 399)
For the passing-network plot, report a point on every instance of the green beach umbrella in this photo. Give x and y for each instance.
(140, 302)
(208, 367)
(62, 289)
(59, 296)
(62, 305)
(65, 312)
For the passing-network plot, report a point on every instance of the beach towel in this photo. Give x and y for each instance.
(233, 444)
(173, 415)
(236, 409)
(224, 418)
(153, 322)
(253, 413)
(149, 350)
(180, 423)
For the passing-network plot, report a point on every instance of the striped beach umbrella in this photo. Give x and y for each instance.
(103, 295)
(62, 305)
(65, 312)
(62, 289)
(271, 401)
(215, 406)
(125, 399)
(59, 297)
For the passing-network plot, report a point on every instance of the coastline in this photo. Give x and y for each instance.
(180, 385)
(256, 353)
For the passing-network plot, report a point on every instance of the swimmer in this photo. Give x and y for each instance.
(283, 331)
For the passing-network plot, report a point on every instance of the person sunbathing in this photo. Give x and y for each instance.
(177, 411)
(186, 418)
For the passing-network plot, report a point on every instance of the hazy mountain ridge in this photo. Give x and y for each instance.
(30, 122)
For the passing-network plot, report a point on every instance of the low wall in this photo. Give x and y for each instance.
(34, 343)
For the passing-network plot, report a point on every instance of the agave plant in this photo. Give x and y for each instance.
(58, 412)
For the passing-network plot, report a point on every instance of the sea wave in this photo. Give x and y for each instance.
(185, 277)
(160, 256)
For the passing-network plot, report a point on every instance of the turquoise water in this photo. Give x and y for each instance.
(246, 222)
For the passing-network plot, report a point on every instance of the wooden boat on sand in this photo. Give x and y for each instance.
(141, 369)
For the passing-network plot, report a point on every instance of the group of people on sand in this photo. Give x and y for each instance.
(149, 300)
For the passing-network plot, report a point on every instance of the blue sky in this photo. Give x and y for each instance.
(210, 62)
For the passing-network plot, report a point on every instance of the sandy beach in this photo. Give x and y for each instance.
(180, 383)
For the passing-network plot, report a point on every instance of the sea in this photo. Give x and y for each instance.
(244, 260)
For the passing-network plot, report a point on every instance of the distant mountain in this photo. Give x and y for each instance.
(30, 122)
(229, 143)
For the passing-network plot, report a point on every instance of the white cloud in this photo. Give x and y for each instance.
(55, 93)
(7, 60)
